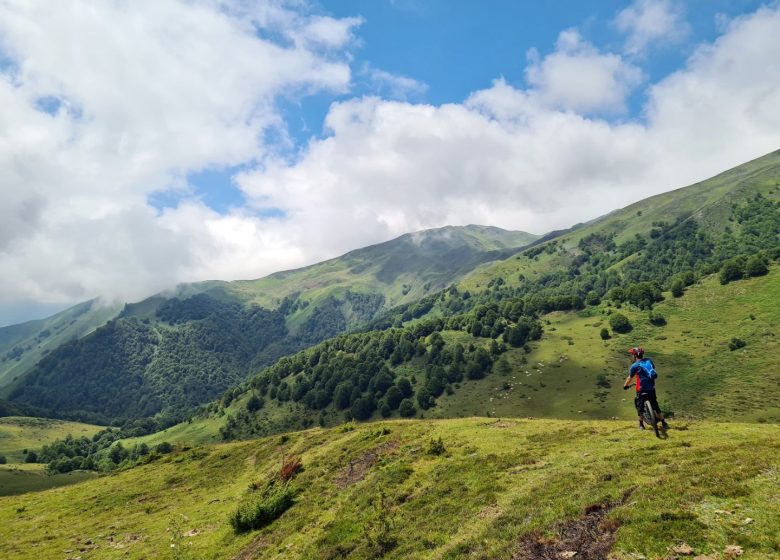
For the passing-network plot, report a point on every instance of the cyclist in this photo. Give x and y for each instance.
(643, 370)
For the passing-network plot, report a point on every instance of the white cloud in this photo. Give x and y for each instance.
(183, 86)
(577, 77)
(391, 85)
(507, 157)
(648, 21)
(148, 92)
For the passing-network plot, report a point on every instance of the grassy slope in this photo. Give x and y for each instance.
(18, 433)
(708, 202)
(31, 337)
(699, 375)
(403, 269)
(498, 481)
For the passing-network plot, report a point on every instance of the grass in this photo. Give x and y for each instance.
(375, 489)
(20, 433)
(23, 478)
(699, 376)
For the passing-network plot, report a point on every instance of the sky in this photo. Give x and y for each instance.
(148, 143)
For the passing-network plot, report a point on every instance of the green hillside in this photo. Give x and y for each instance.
(507, 488)
(170, 354)
(23, 345)
(20, 433)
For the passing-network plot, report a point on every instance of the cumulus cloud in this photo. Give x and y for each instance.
(394, 86)
(107, 103)
(648, 21)
(577, 77)
(507, 157)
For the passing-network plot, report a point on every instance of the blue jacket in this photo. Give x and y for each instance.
(644, 371)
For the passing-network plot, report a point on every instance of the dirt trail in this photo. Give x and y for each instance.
(589, 537)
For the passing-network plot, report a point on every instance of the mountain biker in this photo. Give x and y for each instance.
(643, 370)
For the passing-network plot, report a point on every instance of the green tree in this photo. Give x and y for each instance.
(731, 270)
(254, 404)
(592, 298)
(756, 266)
(677, 287)
(393, 397)
(362, 409)
(407, 410)
(604, 334)
(405, 387)
(620, 323)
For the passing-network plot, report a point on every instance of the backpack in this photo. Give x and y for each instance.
(649, 368)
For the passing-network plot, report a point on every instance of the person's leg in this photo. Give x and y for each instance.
(638, 406)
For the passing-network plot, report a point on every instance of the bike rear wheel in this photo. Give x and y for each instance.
(650, 416)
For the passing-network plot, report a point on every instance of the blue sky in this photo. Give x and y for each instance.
(454, 48)
(173, 141)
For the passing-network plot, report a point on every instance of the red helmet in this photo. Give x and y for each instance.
(637, 351)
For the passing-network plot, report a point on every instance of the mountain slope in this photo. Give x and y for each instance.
(452, 351)
(23, 345)
(505, 488)
(173, 353)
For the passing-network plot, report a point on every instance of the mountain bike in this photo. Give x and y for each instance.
(649, 417)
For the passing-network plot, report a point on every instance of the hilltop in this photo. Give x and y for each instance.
(468, 488)
(171, 353)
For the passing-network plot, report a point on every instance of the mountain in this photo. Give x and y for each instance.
(23, 345)
(466, 488)
(524, 335)
(171, 353)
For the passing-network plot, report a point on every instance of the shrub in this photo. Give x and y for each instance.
(436, 447)
(3, 460)
(407, 410)
(260, 507)
(385, 410)
(657, 319)
(31, 457)
(677, 287)
(163, 448)
(620, 323)
(592, 298)
(756, 266)
(731, 270)
(254, 404)
(290, 468)
(604, 334)
(736, 344)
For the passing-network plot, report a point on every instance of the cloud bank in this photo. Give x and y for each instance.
(107, 103)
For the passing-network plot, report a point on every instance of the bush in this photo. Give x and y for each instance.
(592, 298)
(756, 266)
(736, 344)
(261, 507)
(407, 410)
(620, 323)
(604, 334)
(385, 410)
(31, 457)
(290, 468)
(254, 404)
(657, 319)
(3, 460)
(678, 287)
(436, 447)
(163, 448)
(731, 270)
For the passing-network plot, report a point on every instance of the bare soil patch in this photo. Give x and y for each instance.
(356, 470)
(589, 537)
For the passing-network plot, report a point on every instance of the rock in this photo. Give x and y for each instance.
(568, 554)
(682, 548)
(732, 551)
(192, 533)
(747, 521)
